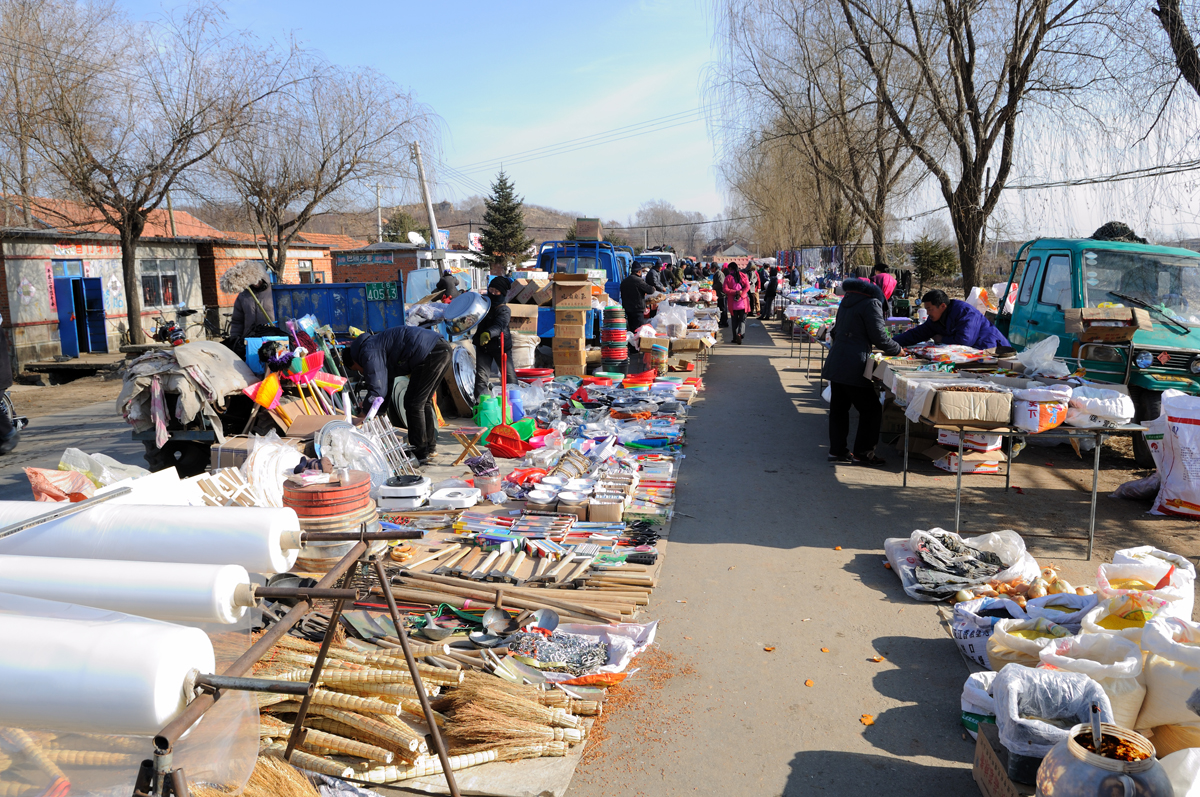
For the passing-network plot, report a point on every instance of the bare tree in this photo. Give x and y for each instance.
(1183, 47)
(124, 126)
(789, 62)
(318, 146)
(978, 66)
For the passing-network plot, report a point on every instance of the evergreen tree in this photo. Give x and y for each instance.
(933, 260)
(503, 239)
(400, 224)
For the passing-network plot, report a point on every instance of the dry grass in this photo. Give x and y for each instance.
(272, 777)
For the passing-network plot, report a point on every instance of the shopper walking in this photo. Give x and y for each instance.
(737, 299)
(772, 289)
(887, 283)
(718, 286)
(858, 328)
(751, 274)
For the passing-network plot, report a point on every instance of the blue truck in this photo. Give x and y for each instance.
(1059, 275)
(576, 256)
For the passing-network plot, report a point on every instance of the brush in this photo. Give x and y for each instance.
(477, 724)
(511, 705)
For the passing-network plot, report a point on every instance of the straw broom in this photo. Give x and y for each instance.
(427, 766)
(404, 737)
(384, 691)
(17, 789)
(322, 697)
(480, 725)
(328, 741)
(511, 705)
(92, 758)
(100, 742)
(305, 761)
(332, 726)
(33, 750)
(312, 648)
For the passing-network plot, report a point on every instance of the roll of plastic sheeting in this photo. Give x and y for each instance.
(160, 590)
(262, 540)
(114, 674)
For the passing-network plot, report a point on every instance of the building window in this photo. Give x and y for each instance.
(306, 271)
(160, 283)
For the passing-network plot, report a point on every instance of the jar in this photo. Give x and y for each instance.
(1069, 770)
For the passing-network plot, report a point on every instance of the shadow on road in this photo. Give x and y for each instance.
(834, 772)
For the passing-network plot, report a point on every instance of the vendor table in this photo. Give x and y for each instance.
(1008, 432)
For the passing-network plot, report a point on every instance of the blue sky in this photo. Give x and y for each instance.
(509, 77)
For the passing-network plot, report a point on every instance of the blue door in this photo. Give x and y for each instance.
(93, 301)
(68, 335)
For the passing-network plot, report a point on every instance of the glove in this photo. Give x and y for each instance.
(484, 337)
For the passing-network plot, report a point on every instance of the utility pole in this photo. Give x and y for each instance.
(378, 216)
(171, 216)
(433, 228)
(646, 239)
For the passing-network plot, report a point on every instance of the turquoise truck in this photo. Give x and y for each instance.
(1056, 276)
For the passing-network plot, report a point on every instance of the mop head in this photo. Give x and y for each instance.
(243, 275)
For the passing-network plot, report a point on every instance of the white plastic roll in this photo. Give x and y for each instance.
(262, 540)
(116, 674)
(161, 590)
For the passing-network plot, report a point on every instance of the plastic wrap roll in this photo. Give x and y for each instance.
(112, 673)
(160, 590)
(262, 540)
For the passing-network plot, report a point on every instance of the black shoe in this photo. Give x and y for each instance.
(842, 459)
(871, 460)
(7, 444)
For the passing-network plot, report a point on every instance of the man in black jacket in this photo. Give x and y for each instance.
(422, 356)
(448, 285)
(492, 333)
(858, 328)
(634, 291)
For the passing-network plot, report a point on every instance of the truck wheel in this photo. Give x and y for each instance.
(1148, 406)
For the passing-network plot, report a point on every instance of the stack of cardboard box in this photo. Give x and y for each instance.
(572, 301)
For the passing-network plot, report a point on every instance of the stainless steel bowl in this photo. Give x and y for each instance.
(465, 311)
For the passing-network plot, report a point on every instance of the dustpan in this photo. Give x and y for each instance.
(504, 440)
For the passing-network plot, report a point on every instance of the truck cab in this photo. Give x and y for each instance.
(575, 257)
(664, 256)
(1055, 275)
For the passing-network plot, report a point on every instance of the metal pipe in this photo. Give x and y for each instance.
(434, 734)
(195, 710)
(305, 593)
(350, 536)
(62, 512)
(253, 685)
(179, 783)
(297, 727)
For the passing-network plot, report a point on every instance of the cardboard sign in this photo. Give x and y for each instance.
(1106, 324)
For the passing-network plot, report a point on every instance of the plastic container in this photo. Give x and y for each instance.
(489, 484)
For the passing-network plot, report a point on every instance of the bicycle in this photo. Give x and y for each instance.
(206, 327)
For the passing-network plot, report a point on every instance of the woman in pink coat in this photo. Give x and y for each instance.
(737, 291)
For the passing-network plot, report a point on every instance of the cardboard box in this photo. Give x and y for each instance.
(589, 230)
(518, 286)
(647, 344)
(564, 357)
(977, 409)
(575, 318)
(524, 317)
(565, 343)
(606, 511)
(977, 463)
(572, 292)
(594, 356)
(686, 344)
(544, 295)
(991, 766)
(1106, 324)
(569, 331)
(233, 452)
(305, 427)
(570, 370)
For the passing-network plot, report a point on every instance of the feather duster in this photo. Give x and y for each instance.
(240, 277)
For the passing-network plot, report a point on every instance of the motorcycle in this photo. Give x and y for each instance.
(169, 332)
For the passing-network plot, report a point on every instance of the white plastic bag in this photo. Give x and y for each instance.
(1126, 578)
(1039, 358)
(1179, 470)
(1184, 577)
(1112, 662)
(1156, 428)
(1056, 393)
(1172, 674)
(101, 469)
(1095, 406)
(972, 630)
(1143, 489)
(1028, 699)
(1125, 616)
(523, 346)
(1008, 545)
(268, 463)
(1007, 646)
(827, 393)
(981, 300)
(1065, 609)
(977, 700)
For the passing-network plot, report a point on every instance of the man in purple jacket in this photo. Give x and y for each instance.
(957, 322)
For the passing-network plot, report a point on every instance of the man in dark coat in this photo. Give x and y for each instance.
(448, 285)
(421, 355)
(9, 434)
(634, 291)
(488, 334)
(858, 328)
(771, 285)
(957, 322)
(718, 286)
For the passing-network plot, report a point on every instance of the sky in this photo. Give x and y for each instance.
(506, 78)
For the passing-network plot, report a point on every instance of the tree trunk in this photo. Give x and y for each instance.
(280, 264)
(877, 245)
(968, 230)
(133, 285)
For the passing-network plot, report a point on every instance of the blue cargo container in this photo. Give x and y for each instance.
(369, 306)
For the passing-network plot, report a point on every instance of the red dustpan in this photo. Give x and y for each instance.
(503, 440)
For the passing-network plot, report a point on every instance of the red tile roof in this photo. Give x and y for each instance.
(333, 241)
(71, 216)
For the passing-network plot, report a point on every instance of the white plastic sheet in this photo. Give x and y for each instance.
(158, 590)
(262, 540)
(1112, 662)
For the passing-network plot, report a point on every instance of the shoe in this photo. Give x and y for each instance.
(842, 459)
(7, 444)
(870, 459)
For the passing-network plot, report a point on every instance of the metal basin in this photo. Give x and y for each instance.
(465, 311)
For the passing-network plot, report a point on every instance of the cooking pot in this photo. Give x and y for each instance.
(465, 311)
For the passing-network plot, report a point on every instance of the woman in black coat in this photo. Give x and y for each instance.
(488, 334)
(858, 328)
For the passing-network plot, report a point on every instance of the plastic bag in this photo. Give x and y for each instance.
(827, 393)
(523, 347)
(101, 469)
(56, 486)
(973, 621)
(1112, 662)
(1070, 611)
(1038, 416)
(1028, 700)
(1172, 674)
(1138, 489)
(977, 703)
(1126, 578)
(1007, 646)
(347, 448)
(981, 300)
(1039, 358)
(1095, 406)
(1125, 616)
(1170, 739)
(1183, 769)
(947, 563)
(1179, 470)
(1059, 394)
(1183, 579)
(268, 463)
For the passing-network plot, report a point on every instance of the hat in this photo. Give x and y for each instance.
(636, 267)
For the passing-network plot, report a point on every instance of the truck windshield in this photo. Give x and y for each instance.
(1168, 282)
(568, 262)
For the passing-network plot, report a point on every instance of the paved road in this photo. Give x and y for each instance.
(94, 428)
(757, 566)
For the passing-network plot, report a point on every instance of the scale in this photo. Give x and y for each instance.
(404, 492)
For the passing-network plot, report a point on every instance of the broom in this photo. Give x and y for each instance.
(289, 782)
(427, 766)
(476, 724)
(327, 741)
(511, 705)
